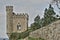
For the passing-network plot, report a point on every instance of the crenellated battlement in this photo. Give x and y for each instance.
(9, 8)
(21, 14)
(18, 15)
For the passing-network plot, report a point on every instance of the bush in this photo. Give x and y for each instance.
(17, 36)
(30, 38)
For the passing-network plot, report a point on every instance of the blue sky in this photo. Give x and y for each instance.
(32, 7)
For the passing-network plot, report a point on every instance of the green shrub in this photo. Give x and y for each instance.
(30, 38)
(17, 36)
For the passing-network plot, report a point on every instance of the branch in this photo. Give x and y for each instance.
(57, 4)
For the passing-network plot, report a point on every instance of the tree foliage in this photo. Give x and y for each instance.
(32, 38)
(56, 2)
(16, 36)
(49, 17)
(36, 24)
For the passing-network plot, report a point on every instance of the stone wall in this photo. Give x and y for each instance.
(15, 23)
(20, 19)
(49, 32)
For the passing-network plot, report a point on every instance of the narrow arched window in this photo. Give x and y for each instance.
(18, 27)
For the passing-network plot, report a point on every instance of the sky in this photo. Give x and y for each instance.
(32, 7)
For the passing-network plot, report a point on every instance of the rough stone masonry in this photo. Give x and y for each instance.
(49, 32)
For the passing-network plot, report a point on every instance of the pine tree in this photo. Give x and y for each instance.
(49, 15)
(36, 24)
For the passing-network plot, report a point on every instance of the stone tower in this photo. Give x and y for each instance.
(9, 11)
(16, 22)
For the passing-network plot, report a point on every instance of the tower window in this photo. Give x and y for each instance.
(18, 27)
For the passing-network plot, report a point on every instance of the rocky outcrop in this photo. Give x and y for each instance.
(49, 32)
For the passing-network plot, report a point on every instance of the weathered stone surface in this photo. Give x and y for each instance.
(16, 23)
(49, 32)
